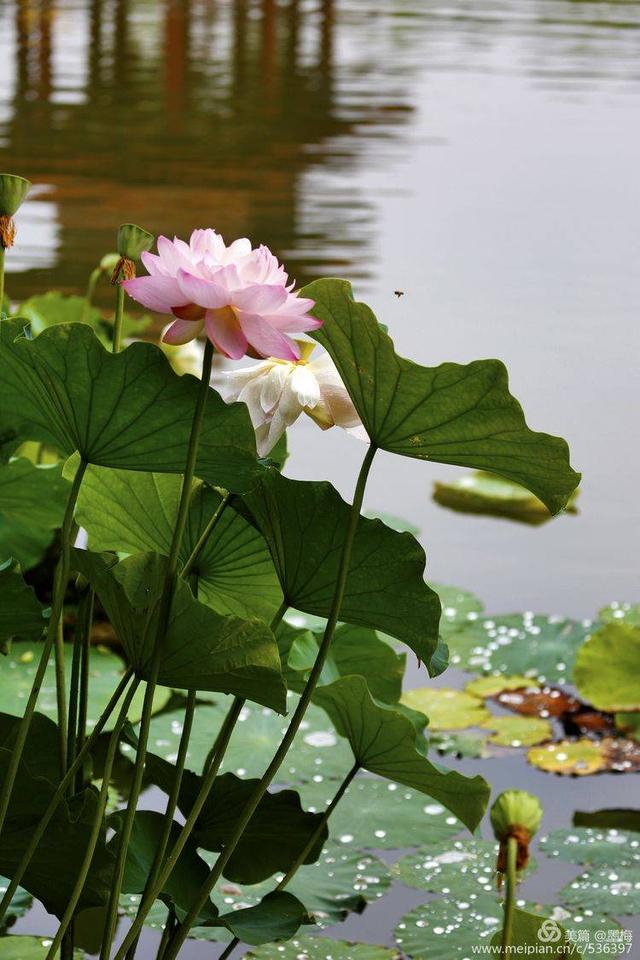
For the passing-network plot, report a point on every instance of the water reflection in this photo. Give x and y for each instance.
(258, 116)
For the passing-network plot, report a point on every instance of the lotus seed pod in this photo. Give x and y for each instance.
(13, 190)
(515, 808)
(133, 241)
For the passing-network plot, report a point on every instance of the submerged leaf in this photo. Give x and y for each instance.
(455, 414)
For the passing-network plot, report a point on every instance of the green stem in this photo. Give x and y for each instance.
(510, 894)
(61, 792)
(167, 933)
(74, 690)
(172, 803)
(98, 823)
(94, 276)
(302, 856)
(85, 614)
(209, 775)
(1, 280)
(60, 586)
(61, 694)
(204, 536)
(162, 624)
(117, 320)
(294, 724)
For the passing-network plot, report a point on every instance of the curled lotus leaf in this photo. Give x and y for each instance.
(484, 494)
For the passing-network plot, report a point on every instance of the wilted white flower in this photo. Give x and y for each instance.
(278, 391)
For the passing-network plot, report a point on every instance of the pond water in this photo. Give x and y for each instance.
(482, 158)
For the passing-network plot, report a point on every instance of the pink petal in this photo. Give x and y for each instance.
(153, 264)
(266, 340)
(259, 298)
(182, 331)
(288, 324)
(171, 257)
(156, 293)
(225, 333)
(206, 293)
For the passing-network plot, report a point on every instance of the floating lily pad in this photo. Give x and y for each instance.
(460, 867)
(488, 495)
(341, 881)
(518, 731)
(29, 948)
(589, 846)
(447, 709)
(460, 743)
(459, 607)
(607, 889)
(610, 818)
(607, 668)
(583, 757)
(321, 948)
(536, 701)
(317, 752)
(494, 685)
(449, 928)
(106, 669)
(532, 645)
(19, 905)
(615, 612)
(376, 814)
(574, 920)
(629, 723)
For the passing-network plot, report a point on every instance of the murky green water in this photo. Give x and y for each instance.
(481, 157)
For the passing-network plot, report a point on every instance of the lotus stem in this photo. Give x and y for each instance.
(510, 895)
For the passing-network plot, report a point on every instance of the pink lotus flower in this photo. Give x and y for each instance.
(238, 296)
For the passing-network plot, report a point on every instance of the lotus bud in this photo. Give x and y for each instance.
(515, 814)
(133, 241)
(13, 190)
(109, 262)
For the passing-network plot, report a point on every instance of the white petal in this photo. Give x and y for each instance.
(273, 382)
(305, 386)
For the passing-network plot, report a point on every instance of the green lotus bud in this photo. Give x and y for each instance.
(109, 262)
(515, 816)
(13, 190)
(515, 808)
(133, 240)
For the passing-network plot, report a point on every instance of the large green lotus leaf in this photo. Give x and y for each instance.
(457, 868)
(487, 495)
(354, 650)
(321, 948)
(29, 948)
(40, 757)
(608, 889)
(22, 616)
(305, 523)
(520, 643)
(32, 502)
(610, 818)
(317, 753)
(276, 835)
(53, 869)
(19, 904)
(18, 668)
(277, 915)
(377, 815)
(621, 613)
(590, 846)
(447, 709)
(202, 649)
(339, 882)
(131, 512)
(385, 741)
(456, 414)
(607, 668)
(127, 410)
(529, 930)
